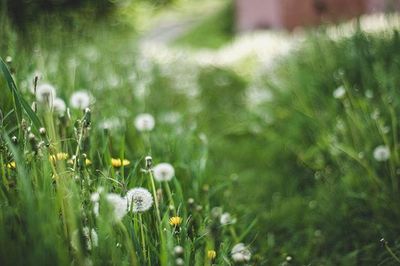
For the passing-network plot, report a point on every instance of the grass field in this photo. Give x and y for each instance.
(306, 176)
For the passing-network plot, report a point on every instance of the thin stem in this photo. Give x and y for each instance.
(153, 187)
(129, 244)
(169, 194)
(391, 252)
(142, 236)
(233, 233)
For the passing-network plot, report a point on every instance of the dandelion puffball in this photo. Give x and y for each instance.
(163, 172)
(45, 93)
(91, 237)
(139, 199)
(119, 205)
(240, 253)
(144, 122)
(382, 153)
(339, 93)
(226, 218)
(59, 106)
(80, 99)
(178, 250)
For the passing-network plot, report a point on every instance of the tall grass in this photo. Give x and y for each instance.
(297, 175)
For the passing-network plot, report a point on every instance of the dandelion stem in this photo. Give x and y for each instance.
(233, 233)
(142, 236)
(391, 252)
(170, 199)
(153, 187)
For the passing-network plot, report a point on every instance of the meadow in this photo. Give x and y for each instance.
(108, 157)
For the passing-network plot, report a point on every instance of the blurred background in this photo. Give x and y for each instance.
(289, 99)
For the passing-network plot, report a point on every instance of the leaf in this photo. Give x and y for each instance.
(20, 102)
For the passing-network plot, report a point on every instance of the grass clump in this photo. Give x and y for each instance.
(335, 129)
(214, 32)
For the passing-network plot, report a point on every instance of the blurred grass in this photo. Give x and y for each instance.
(308, 174)
(213, 31)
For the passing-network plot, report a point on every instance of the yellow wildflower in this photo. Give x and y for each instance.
(175, 221)
(87, 161)
(60, 156)
(11, 165)
(119, 162)
(211, 254)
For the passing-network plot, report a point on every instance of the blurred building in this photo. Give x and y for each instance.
(289, 14)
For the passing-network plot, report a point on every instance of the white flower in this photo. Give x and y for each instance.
(90, 237)
(59, 106)
(96, 208)
(178, 250)
(216, 212)
(240, 253)
(339, 93)
(80, 99)
(163, 172)
(226, 218)
(45, 93)
(144, 122)
(110, 123)
(139, 199)
(95, 197)
(382, 153)
(119, 205)
(92, 240)
(179, 262)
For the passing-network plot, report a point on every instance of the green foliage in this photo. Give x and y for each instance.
(351, 197)
(303, 185)
(213, 32)
(25, 13)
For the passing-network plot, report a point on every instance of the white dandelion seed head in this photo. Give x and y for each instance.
(226, 218)
(171, 117)
(95, 196)
(382, 153)
(339, 93)
(178, 250)
(45, 93)
(119, 205)
(163, 172)
(240, 253)
(96, 209)
(112, 123)
(216, 212)
(59, 106)
(92, 239)
(179, 262)
(144, 122)
(80, 99)
(139, 199)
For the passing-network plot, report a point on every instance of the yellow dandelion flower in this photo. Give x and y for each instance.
(87, 161)
(211, 254)
(12, 165)
(60, 156)
(175, 221)
(119, 162)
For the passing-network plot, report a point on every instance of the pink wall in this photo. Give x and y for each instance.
(254, 14)
(258, 14)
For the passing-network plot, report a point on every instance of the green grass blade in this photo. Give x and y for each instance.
(20, 102)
